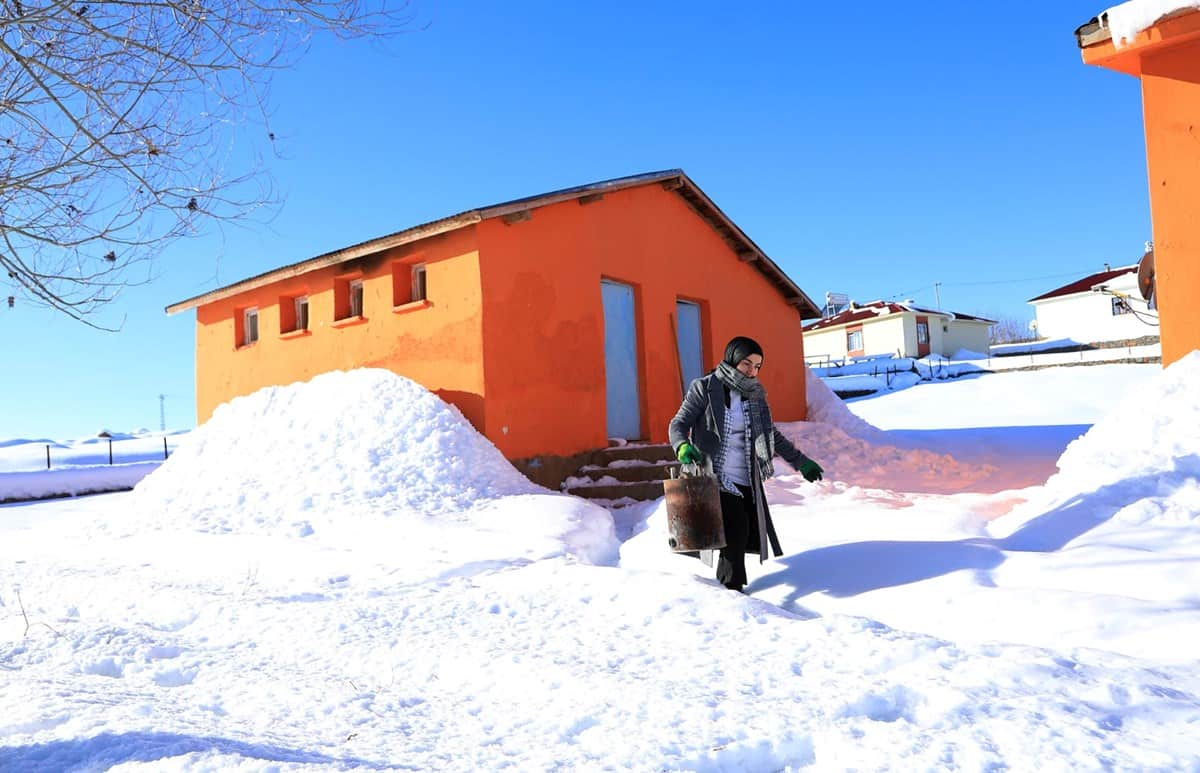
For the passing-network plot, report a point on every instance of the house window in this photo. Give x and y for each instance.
(408, 283)
(418, 282)
(1120, 306)
(293, 314)
(922, 332)
(854, 340)
(249, 326)
(347, 298)
(301, 307)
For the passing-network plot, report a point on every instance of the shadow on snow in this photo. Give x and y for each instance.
(110, 749)
(860, 567)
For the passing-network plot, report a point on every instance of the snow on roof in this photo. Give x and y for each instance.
(1126, 20)
(366, 442)
(1086, 284)
(862, 311)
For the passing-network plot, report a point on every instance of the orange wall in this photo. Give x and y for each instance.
(544, 326)
(1171, 108)
(440, 346)
(1167, 59)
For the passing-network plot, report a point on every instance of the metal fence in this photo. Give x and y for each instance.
(115, 451)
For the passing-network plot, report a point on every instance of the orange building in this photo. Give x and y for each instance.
(1166, 57)
(553, 322)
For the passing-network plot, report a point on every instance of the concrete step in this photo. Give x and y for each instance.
(641, 491)
(630, 473)
(646, 453)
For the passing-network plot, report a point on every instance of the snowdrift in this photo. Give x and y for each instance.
(827, 408)
(1153, 430)
(350, 448)
(1140, 464)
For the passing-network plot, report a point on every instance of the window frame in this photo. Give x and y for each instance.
(249, 326)
(922, 327)
(301, 322)
(419, 283)
(850, 334)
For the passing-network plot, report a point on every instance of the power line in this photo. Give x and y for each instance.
(934, 286)
(910, 292)
(1015, 281)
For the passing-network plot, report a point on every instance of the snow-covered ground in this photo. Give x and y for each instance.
(294, 590)
(35, 468)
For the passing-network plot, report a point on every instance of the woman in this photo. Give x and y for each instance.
(725, 416)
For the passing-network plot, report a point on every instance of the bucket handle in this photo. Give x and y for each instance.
(695, 470)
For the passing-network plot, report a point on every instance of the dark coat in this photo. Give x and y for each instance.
(700, 421)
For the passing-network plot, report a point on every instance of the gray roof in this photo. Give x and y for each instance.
(672, 179)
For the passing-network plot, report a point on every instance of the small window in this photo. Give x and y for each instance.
(249, 326)
(293, 313)
(418, 282)
(1121, 306)
(854, 341)
(301, 313)
(347, 297)
(922, 332)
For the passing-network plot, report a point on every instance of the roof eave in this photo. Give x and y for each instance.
(749, 251)
(672, 179)
(1094, 31)
(330, 259)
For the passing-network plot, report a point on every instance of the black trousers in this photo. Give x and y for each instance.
(741, 534)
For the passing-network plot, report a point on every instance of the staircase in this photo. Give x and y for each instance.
(622, 474)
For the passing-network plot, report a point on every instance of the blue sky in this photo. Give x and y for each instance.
(874, 152)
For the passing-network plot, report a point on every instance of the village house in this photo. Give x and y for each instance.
(898, 329)
(555, 322)
(1104, 306)
(1165, 56)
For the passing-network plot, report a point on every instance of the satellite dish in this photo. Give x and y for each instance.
(1145, 276)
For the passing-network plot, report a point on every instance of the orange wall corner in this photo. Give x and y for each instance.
(544, 318)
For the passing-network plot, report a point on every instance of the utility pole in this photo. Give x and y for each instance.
(162, 412)
(937, 295)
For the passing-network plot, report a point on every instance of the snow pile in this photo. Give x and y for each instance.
(344, 449)
(1154, 429)
(1126, 20)
(827, 408)
(1149, 444)
(1139, 466)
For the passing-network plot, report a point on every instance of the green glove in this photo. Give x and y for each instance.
(688, 454)
(810, 470)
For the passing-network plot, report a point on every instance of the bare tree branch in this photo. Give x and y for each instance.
(118, 126)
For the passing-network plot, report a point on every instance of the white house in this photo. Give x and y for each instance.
(901, 329)
(1105, 306)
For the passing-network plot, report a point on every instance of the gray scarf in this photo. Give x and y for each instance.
(762, 427)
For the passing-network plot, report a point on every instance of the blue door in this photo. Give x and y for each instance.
(620, 361)
(691, 353)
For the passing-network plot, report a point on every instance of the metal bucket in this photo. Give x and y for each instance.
(694, 512)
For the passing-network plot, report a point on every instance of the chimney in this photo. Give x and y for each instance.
(1106, 268)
